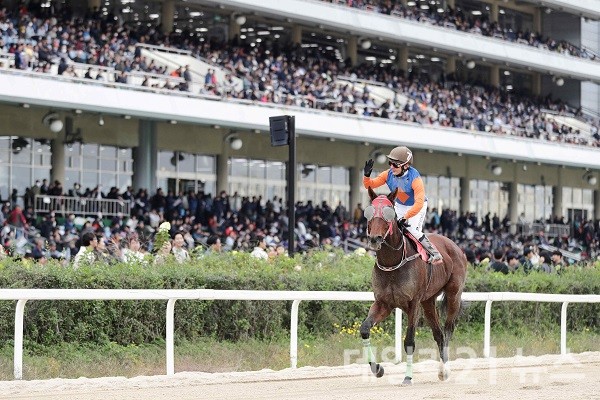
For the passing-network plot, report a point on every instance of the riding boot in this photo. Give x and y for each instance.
(436, 257)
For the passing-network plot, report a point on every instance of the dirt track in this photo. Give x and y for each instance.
(548, 377)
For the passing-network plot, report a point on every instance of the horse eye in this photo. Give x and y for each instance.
(369, 212)
(389, 213)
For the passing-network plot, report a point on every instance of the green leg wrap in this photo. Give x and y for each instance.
(409, 366)
(368, 353)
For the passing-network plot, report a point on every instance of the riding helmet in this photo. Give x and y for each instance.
(401, 154)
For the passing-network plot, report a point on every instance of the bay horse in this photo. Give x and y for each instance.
(401, 279)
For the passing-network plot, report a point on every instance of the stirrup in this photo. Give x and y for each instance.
(439, 261)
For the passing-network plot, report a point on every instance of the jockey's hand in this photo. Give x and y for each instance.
(403, 222)
(368, 167)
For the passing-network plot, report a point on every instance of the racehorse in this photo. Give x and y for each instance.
(401, 279)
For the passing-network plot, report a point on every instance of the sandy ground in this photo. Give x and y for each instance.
(575, 376)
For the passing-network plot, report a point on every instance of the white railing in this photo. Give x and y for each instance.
(172, 295)
(80, 205)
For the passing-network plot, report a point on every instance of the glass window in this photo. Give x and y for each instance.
(205, 164)
(108, 152)
(186, 162)
(166, 161)
(239, 167)
(307, 173)
(4, 181)
(324, 174)
(71, 178)
(340, 176)
(257, 169)
(276, 170)
(108, 165)
(89, 180)
(22, 156)
(21, 177)
(108, 181)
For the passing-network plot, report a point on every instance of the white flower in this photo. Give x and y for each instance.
(165, 226)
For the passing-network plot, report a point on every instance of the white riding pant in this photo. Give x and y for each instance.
(416, 222)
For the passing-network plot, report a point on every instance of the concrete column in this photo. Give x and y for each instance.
(356, 193)
(597, 204)
(94, 4)
(536, 83)
(222, 171)
(495, 76)
(513, 206)
(351, 49)
(451, 3)
(57, 148)
(450, 66)
(145, 157)
(557, 196)
(537, 20)
(167, 15)
(494, 12)
(404, 2)
(465, 194)
(402, 60)
(234, 28)
(297, 34)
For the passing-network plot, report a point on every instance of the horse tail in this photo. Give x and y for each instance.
(444, 306)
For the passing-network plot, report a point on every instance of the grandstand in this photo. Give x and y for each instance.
(529, 145)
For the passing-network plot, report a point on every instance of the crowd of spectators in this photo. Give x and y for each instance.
(457, 19)
(277, 73)
(199, 223)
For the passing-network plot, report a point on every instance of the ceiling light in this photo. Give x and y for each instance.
(470, 64)
(495, 169)
(234, 141)
(53, 121)
(240, 20)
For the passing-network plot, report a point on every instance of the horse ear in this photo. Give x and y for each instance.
(392, 196)
(372, 194)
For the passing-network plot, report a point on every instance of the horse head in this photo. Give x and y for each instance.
(381, 218)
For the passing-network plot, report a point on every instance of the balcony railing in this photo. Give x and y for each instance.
(81, 206)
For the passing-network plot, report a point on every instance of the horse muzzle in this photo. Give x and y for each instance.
(374, 242)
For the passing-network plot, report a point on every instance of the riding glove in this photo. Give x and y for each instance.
(368, 167)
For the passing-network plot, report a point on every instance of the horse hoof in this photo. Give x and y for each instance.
(377, 370)
(407, 381)
(444, 374)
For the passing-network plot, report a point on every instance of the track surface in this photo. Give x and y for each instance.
(575, 376)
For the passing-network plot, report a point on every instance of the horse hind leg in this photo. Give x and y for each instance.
(432, 317)
(377, 313)
(453, 305)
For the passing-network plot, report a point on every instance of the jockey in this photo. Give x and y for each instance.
(411, 203)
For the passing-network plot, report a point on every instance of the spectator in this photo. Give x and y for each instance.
(557, 261)
(86, 254)
(179, 251)
(260, 250)
(498, 265)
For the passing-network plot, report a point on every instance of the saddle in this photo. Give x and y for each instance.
(418, 246)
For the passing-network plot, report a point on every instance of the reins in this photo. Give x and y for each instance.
(403, 260)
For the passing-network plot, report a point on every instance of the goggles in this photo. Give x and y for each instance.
(387, 213)
(396, 164)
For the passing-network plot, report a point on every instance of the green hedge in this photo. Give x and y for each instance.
(126, 322)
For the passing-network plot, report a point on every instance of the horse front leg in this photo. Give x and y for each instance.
(409, 342)
(377, 313)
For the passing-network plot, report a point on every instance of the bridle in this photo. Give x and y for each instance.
(382, 207)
